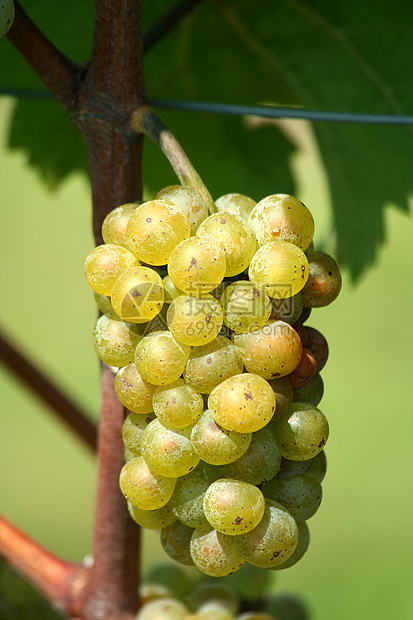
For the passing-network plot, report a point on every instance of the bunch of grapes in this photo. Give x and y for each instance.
(203, 320)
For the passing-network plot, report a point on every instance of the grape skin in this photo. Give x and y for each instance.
(152, 519)
(214, 553)
(210, 364)
(105, 264)
(133, 429)
(300, 495)
(187, 501)
(115, 224)
(168, 452)
(133, 391)
(143, 487)
(216, 445)
(324, 281)
(245, 307)
(137, 295)
(175, 540)
(177, 405)
(280, 269)
(160, 359)
(165, 608)
(190, 201)
(301, 548)
(302, 432)
(194, 321)
(115, 340)
(197, 266)
(237, 204)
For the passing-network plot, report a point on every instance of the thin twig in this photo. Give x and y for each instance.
(167, 22)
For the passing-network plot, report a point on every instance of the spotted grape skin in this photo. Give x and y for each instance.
(137, 295)
(301, 548)
(115, 340)
(197, 266)
(302, 432)
(177, 405)
(156, 519)
(143, 487)
(210, 364)
(280, 269)
(237, 204)
(133, 391)
(194, 321)
(245, 306)
(300, 495)
(160, 359)
(189, 200)
(214, 553)
(133, 429)
(324, 281)
(105, 264)
(216, 445)
(115, 224)
(176, 540)
(168, 452)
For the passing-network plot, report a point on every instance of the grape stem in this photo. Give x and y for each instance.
(145, 120)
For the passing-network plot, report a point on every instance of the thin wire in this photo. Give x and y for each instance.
(265, 111)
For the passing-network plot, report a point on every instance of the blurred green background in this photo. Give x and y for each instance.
(359, 564)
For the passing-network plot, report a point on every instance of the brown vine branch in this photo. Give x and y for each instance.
(167, 22)
(46, 390)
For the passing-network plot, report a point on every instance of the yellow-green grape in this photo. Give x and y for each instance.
(302, 432)
(271, 351)
(273, 540)
(190, 201)
(259, 463)
(187, 501)
(290, 469)
(284, 393)
(194, 320)
(143, 487)
(301, 548)
(318, 467)
(160, 359)
(105, 264)
(115, 340)
(137, 295)
(234, 236)
(196, 266)
(152, 519)
(279, 268)
(245, 306)
(233, 507)
(210, 592)
(115, 223)
(237, 204)
(214, 553)
(177, 405)
(128, 455)
(168, 452)
(133, 391)
(216, 445)
(170, 290)
(243, 403)
(165, 608)
(210, 364)
(212, 610)
(288, 309)
(7, 13)
(300, 495)
(175, 540)
(103, 303)
(132, 430)
(324, 281)
(154, 229)
(283, 218)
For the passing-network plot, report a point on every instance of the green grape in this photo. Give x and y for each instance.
(160, 359)
(300, 495)
(177, 405)
(175, 540)
(115, 223)
(173, 577)
(212, 610)
(302, 432)
(214, 553)
(259, 463)
(290, 469)
(7, 13)
(128, 455)
(324, 281)
(274, 350)
(115, 340)
(132, 430)
(155, 229)
(284, 218)
(152, 519)
(168, 452)
(286, 607)
(190, 201)
(284, 394)
(133, 391)
(197, 266)
(272, 541)
(311, 392)
(163, 609)
(245, 306)
(280, 269)
(103, 303)
(214, 592)
(234, 236)
(137, 295)
(288, 309)
(250, 582)
(105, 264)
(301, 548)
(143, 487)
(194, 320)
(187, 501)
(171, 292)
(237, 204)
(318, 466)
(210, 364)
(233, 507)
(243, 403)
(214, 444)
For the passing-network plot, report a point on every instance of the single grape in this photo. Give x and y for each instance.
(194, 320)
(143, 487)
(284, 218)
(237, 204)
(115, 223)
(187, 501)
(210, 364)
(115, 340)
(105, 264)
(196, 266)
(273, 540)
(212, 610)
(152, 519)
(214, 553)
(290, 469)
(137, 295)
(214, 444)
(324, 281)
(103, 303)
(301, 548)
(190, 201)
(259, 463)
(305, 370)
(280, 269)
(302, 432)
(7, 13)
(175, 540)
(245, 306)
(300, 495)
(233, 507)
(133, 391)
(310, 393)
(288, 309)
(163, 608)
(177, 405)
(214, 592)
(160, 359)
(274, 350)
(170, 290)
(168, 452)
(133, 429)
(318, 346)
(318, 466)
(243, 403)
(284, 393)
